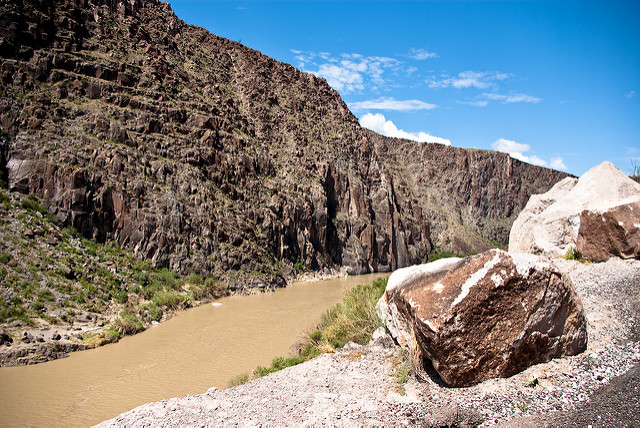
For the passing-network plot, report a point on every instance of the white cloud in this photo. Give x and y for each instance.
(468, 79)
(630, 94)
(558, 163)
(474, 103)
(509, 146)
(421, 54)
(533, 160)
(341, 78)
(391, 104)
(348, 72)
(378, 123)
(516, 150)
(512, 98)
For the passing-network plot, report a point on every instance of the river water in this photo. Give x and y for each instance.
(197, 349)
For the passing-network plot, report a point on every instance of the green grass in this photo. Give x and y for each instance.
(127, 322)
(573, 254)
(32, 204)
(438, 254)
(278, 364)
(170, 300)
(352, 320)
(238, 380)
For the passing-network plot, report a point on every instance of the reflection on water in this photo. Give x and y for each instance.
(199, 348)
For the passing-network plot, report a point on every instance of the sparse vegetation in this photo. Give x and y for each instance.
(32, 204)
(170, 300)
(635, 171)
(439, 253)
(127, 323)
(59, 268)
(352, 320)
(573, 254)
(240, 379)
(402, 369)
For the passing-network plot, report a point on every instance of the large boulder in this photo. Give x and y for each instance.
(598, 215)
(490, 315)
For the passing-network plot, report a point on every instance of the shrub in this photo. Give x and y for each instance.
(215, 287)
(166, 279)
(32, 204)
(635, 171)
(148, 291)
(170, 300)
(8, 312)
(121, 296)
(573, 254)
(355, 318)
(38, 305)
(195, 279)
(155, 313)
(127, 323)
(238, 380)
(278, 364)
(46, 295)
(111, 335)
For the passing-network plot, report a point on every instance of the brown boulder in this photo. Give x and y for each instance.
(490, 315)
(611, 232)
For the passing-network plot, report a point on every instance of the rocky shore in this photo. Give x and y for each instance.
(363, 385)
(24, 344)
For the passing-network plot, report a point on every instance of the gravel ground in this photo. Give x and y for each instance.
(358, 385)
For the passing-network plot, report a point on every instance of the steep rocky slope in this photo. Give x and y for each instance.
(203, 155)
(470, 197)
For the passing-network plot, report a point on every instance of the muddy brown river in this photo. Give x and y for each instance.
(197, 349)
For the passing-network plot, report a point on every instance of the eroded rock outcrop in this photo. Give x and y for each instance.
(491, 315)
(203, 155)
(470, 197)
(598, 215)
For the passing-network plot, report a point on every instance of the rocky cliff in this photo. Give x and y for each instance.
(204, 155)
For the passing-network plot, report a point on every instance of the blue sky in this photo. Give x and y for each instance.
(555, 83)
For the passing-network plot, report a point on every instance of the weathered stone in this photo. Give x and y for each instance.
(4, 337)
(27, 337)
(491, 315)
(611, 232)
(594, 214)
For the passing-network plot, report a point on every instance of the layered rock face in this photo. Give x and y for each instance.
(599, 215)
(491, 315)
(470, 196)
(204, 155)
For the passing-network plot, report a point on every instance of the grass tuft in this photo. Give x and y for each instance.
(127, 323)
(238, 380)
(352, 320)
(573, 254)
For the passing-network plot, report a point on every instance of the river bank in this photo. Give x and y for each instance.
(198, 348)
(358, 385)
(24, 344)
(61, 292)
